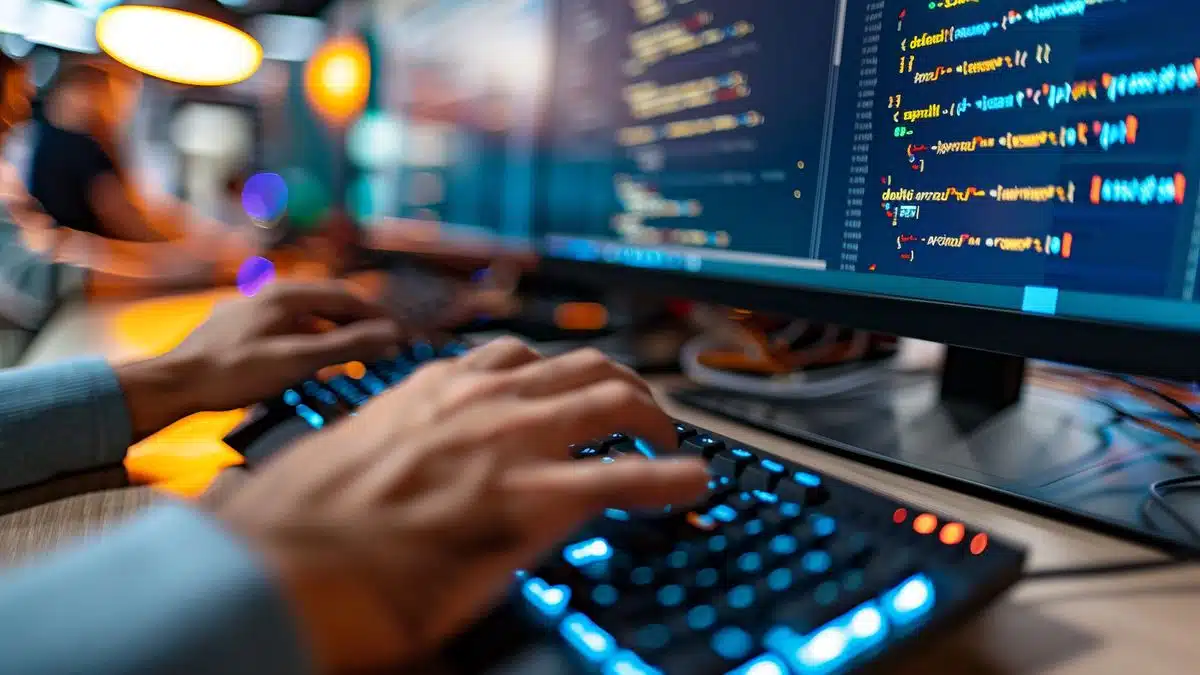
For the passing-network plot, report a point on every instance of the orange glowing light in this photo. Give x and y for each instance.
(356, 370)
(953, 534)
(581, 316)
(338, 79)
(979, 544)
(925, 523)
(900, 516)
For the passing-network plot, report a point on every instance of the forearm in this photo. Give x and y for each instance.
(60, 418)
(84, 415)
(170, 593)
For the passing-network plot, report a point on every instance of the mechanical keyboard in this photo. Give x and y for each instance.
(778, 571)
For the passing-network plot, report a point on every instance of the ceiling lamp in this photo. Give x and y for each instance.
(338, 79)
(178, 46)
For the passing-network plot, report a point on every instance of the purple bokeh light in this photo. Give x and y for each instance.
(255, 274)
(265, 197)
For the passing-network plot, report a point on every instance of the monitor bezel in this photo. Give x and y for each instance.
(1109, 346)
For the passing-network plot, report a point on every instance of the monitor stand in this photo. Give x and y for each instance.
(981, 427)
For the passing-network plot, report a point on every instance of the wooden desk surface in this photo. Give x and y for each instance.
(1143, 624)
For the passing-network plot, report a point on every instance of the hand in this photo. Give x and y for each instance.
(392, 531)
(253, 348)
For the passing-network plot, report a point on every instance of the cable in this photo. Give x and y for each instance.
(1158, 496)
(1106, 570)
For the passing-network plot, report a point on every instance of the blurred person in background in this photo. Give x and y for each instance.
(76, 203)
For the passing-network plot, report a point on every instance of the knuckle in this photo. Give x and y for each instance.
(620, 394)
(591, 358)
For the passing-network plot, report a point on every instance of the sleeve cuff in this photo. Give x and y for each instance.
(170, 593)
(61, 417)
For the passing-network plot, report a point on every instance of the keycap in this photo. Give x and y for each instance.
(728, 464)
(703, 444)
(683, 432)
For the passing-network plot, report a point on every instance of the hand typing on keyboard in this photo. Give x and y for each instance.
(251, 348)
(394, 529)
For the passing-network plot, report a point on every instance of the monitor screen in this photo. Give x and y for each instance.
(1041, 158)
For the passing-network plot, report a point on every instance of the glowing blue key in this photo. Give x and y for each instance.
(732, 643)
(373, 384)
(754, 527)
(423, 351)
(616, 514)
(588, 552)
(551, 601)
(644, 448)
(309, 415)
(789, 510)
(604, 595)
(724, 513)
(701, 617)
(591, 641)
(291, 397)
(780, 580)
(833, 645)
(717, 543)
(677, 560)
(806, 479)
(772, 466)
(767, 664)
(823, 526)
(740, 597)
(642, 576)
(910, 600)
(628, 663)
(816, 562)
(784, 544)
(750, 562)
(670, 596)
(707, 577)
(766, 497)
(741, 453)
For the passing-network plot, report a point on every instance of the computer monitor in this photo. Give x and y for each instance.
(1022, 180)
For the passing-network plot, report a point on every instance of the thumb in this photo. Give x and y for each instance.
(359, 341)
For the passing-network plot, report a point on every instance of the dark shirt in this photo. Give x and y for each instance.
(63, 166)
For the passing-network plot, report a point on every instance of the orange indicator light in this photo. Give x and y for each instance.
(953, 534)
(925, 523)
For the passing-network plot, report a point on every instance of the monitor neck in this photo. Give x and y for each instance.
(979, 378)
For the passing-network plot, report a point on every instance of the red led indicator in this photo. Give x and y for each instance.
(900, 516)
(979, 544)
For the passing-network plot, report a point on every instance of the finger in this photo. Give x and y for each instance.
(553, 499)
(475, 304)
(587, 413)
(362, 341)
(503, 353)
(575, 370)
(326, 299)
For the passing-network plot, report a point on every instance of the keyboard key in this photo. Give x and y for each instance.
(684, 432)
(592, 642)
(767, 664)
(703, 444)
(758, 478)
(732, 644)
(628, 663)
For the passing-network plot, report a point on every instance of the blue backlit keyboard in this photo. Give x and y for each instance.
(778, 571)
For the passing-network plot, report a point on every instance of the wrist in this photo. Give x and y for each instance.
(159, 392)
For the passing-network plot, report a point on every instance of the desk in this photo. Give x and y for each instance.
(1139, 624)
